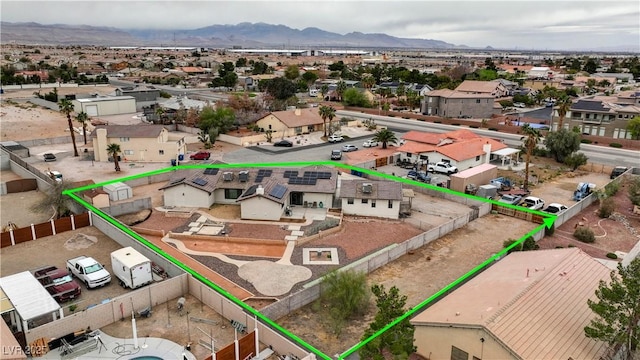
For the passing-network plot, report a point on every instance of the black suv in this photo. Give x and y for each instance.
(617, 171)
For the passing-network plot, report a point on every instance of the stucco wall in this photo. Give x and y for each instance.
(187, 196)
(380, 210)
(260, 208)
(435, 342)
(325, 199)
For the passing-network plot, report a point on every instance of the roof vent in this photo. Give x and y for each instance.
(227, 176)
(260, 190)
(367, 188)
(243, 176)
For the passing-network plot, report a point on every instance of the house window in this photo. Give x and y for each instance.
(457, 354)
(298, 130)
(408, 155)
(350, 201)
(128, 152)
(478, 158)
(310, 128)
(269, 126)
(232, 193)
(373, 203)
(390, 205)
(160, 152)
(477, 101)
(365, 201)
(124, 139)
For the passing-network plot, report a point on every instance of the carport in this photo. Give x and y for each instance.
(505, 154)
(27, 300)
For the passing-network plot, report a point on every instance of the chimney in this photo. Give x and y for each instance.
(260, 190)
(487, 152)
(297, 112)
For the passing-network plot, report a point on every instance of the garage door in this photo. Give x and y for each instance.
(92, 110)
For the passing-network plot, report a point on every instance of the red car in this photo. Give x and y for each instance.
(200, 155)
(58, 283)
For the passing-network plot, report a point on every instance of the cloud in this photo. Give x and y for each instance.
(474, 23)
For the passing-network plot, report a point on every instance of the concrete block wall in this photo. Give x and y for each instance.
(128, 207)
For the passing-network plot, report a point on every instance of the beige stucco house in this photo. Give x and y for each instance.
(371, 198)
(292, 122)
(106, 105)
(494, 88)
(461, 148)
(529, 305)
(151, 143)
(262, 194)
(458, 104)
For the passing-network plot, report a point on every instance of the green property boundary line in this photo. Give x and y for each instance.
(548, 221)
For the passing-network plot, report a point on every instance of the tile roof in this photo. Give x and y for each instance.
(268, 187)
(458, 145)
(535, 302)
(591, 105)
(131, 131)
(453, 94)
(476, 86)
(381, 190)
(299, 117)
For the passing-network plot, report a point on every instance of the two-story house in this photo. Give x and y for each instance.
(457, 104)
(138, 143)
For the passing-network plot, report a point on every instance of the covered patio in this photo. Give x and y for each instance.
(508, 157)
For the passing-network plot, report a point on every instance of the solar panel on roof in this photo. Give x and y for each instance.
(211, 171)
(324, 175)
(250, 191)
(264, 173)
(278, 191)
(290, 173)
(199, 181)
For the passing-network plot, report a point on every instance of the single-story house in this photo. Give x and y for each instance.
(137, 143)
(262, 194)
(461, 148)
(292, 122)
(528, 305)
(371, 198)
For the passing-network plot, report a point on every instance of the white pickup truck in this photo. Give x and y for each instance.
(533, 203)
(442, 167)
(89, 271)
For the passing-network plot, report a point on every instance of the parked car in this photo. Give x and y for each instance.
(335, 138)
(532, 203)
(370, 143)
(49, 157)
(510, 199)
(442, 167)
(617, 171)
(58, 283)
(55, 175)
(555, 208)
(336, 154)
(349, 147)
(200, 155)
(283, 143)
(419, 176)
(519, 105)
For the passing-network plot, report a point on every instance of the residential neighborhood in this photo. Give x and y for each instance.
(274, 197)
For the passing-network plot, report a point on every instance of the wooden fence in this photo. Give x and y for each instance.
(36, 231)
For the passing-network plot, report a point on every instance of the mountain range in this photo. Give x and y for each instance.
(243, 35)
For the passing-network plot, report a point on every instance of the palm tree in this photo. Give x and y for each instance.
(340, 89)
(385, 136)
(66, 107)
(530, 142)
(82, 118)
(564, 105)
(326, 112)
(114, 150)
(368, 81)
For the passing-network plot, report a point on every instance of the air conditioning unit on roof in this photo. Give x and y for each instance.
(227, 176)
(367, 188)
(243, 176)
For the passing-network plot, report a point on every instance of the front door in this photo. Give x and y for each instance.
(295, 198)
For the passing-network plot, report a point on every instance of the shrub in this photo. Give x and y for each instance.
(584, 234)
(571, 246)
(493, 129)
(615, 145)
(634, 191)
(437, 121)
(586, 141)
(455, 124)
(575, 160)
(607, 207)
(548, 231)
(612, 256)
(473, 126)
(611, 189)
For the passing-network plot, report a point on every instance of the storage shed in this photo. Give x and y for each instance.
(110, 105)
(118, 191)
(477, 175)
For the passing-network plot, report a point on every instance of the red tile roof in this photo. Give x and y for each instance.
(457, 145)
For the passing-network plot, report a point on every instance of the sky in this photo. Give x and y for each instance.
(514, 24)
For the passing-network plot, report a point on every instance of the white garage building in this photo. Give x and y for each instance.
(102, 106)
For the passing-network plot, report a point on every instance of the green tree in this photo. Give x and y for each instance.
(564, 105)
(353, 97)
(241, 62)
(633, 127)
(385, 136)
(326, 112)
(281, 88)
(562, 143)
(575, 160)
(292, 72)
(341, 87)
(324, 89)
(530, 141)
(634, 190)
(55, 200)
(221, 118)
(66, 107)
(618, 309)
(203, 137)
(83, 118)
(114, 150)
(310, 77)
(345, 295)
(397, 340)
(590, 66)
